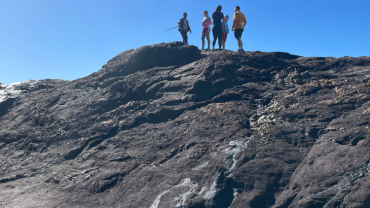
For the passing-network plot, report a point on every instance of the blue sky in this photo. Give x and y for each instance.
(70, 39)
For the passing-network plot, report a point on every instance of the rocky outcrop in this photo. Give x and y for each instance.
(2, 86)
(167, 126)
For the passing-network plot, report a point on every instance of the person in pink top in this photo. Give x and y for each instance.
(206, 22)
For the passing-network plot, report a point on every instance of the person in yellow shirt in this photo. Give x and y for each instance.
(239, 23)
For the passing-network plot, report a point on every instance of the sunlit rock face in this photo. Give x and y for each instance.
(2, 86)
(15, 90)
(168, 126)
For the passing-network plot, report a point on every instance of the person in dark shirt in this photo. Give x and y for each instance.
(184, 28)
(217, 16)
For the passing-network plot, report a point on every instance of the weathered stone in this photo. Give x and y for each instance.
(167, 126)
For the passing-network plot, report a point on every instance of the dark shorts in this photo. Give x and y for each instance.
(238, 33)
(224, 36)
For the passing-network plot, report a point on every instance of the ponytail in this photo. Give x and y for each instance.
(218, 8)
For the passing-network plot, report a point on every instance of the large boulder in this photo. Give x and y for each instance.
(167, 126)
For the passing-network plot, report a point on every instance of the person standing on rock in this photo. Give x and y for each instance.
(239, 23)
(206, 22)
(217, 27)
(225, 30)
(184, 28)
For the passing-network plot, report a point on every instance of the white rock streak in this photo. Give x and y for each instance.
(231, 150)
(180, 200)
(200, 166)
(212, 190)
(186, 182)
(234, 147)
(157, 200)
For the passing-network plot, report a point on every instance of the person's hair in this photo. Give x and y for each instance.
(205, 11)
(238, 8)
(218, 8)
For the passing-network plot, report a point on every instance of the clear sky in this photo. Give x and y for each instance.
(70, 39)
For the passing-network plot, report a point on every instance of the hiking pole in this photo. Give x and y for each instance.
(172, 28)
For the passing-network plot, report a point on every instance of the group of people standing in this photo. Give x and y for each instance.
(220, 28)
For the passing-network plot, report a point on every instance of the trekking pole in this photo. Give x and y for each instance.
(172, 28)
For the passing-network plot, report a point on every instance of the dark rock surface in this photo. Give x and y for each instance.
(166, 126)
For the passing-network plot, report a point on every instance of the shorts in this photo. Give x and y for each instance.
(224, 36)
(206, 30)
(238, 33)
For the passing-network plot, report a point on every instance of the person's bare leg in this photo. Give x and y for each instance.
(223, 44)
(240, 43)
(209, 41)
(203, 41)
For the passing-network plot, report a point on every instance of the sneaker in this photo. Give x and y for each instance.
(240, 50)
